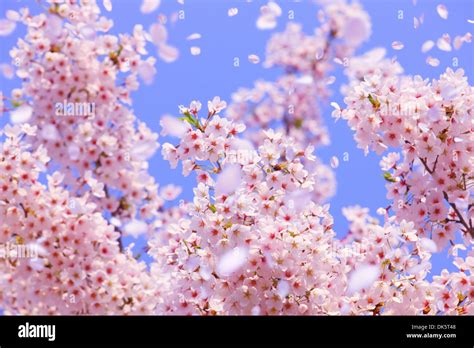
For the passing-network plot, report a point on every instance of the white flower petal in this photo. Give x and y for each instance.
(21, 114)
(107, 5)
(172, 126)
(254, 59)
(228, 180)
(135, 228)
(362, 278)
(397, 45)
(6, 27)
(233, 11)
(428, 45)
(149, 6)
(231, 261)
(442, 11)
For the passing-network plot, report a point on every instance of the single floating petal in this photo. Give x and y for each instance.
(254, 59)
(397, 45)
(229, 180)
(168, 53)
(416, 23)
(232, 11)
(21, 114)
(334, 162)
(107, 5)
(428, 45)
(149, 6)
(231, 261)
(362, 278)
(444, 43)
(194, 36)
(172, 126)
(6, 27)
(135, 228)
(195, 50)
(432, 61)
(442, 11)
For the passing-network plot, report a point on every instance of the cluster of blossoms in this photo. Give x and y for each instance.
(255, 243)
(430, 180)
(395, 262)
(257, 238)
(77, 81)
(78, 266)
(291, 103)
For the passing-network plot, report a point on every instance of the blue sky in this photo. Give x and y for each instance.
(223, 38)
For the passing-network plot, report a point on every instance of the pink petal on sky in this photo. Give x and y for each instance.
(149, 6)
(6, 27)
(442, 11)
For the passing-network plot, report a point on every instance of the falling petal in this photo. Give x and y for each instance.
(362, 278)
(170, 192)
(429, 245)
(470, 21)
(334, 162)
(195, 51)
(168, 53)
(330, 80)
(107, 5)
(254, 59)
(274, 8)
(228, 180)
(232, 11)
(143, 150)
(172, 126)
(149, 6)
(397, 45)
(7, 71)
(158, 33)
(432, 61)
(266, 22)
(416, 23)
(135, 228)
(6, 27)
(147, 72)
(21, 114)
(13, 15)
(194, 36)
(428, 45)
(442, 11)
(50, 132)
(231, 261)
(444, 43)
(338, 61)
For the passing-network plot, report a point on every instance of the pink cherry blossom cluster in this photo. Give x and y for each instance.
(257, 237)
(252, 240)
(430, 179)
(68, 57)
(256, 243)
(79, 267)
(395, 262)
(291, 103)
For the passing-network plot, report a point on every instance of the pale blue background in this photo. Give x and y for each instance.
(223, 38)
